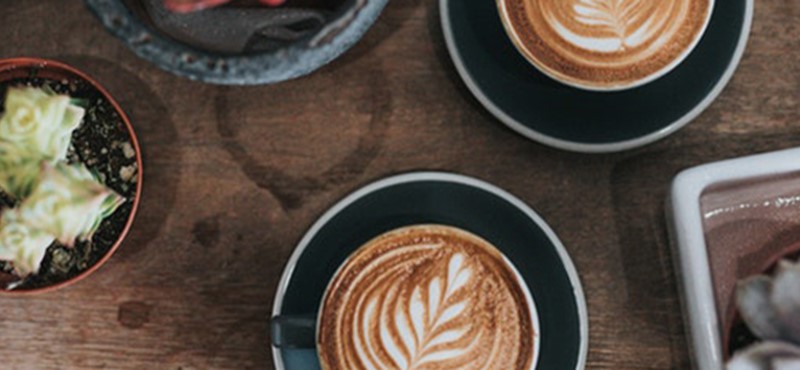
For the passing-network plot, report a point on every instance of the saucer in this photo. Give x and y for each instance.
(568, 118)
(447, 199)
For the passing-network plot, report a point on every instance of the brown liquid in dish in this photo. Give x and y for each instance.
(605, 43)
(426, 297)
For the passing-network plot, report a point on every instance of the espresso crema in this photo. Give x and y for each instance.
(426, 297)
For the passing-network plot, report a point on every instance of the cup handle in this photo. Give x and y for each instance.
(294, 331)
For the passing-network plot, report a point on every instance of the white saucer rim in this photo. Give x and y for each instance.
(611, 147)
(566, 260)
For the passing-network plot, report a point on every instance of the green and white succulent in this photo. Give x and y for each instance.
(21, 244)
(770, 306)
(68, 203)
(19, 173)
(35, 127)
(40, 122)
(56, 201)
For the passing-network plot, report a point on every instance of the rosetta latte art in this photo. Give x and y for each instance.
(614, 25)
(605, 42)
(426, 298)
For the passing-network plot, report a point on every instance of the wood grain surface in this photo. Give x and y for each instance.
(234, 176)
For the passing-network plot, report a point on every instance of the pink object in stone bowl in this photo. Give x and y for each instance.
(186, 6)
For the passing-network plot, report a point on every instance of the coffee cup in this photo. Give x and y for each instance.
(417, 296)
(605, 45)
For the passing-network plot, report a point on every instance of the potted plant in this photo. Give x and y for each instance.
(70, 175)
(765, 333)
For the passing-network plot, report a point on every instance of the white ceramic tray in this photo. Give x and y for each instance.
(751, 196)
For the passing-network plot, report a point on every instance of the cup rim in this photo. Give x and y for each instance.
(31, 62)
(411, 177)
(529, 301)
(512, 34)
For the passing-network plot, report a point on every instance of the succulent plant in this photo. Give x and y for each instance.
(36, 126)
(56, 201)
(22, 245)
(68, 203)
(770, 307)
(39, 122)
(18, 172)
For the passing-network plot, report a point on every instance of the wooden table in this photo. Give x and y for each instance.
(234, 176)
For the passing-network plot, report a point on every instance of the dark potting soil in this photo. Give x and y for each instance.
(741, 337)
(104, 145)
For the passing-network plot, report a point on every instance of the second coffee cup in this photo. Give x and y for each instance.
(419, 297)
(605, 45)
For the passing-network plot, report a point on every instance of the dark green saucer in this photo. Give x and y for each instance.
(467, 203)
(572, 119)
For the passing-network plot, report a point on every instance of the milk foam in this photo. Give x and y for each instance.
(631, 23)
(411, 333)
(426, 301)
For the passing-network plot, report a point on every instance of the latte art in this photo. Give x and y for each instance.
(426, 298)
(605, 43)
(609, 26)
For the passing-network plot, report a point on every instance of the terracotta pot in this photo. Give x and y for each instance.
(20, 68)
(768, 268)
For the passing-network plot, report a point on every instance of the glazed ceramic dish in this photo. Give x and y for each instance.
(291, 61)
(730, 220)
(572, 119)
(446, 199)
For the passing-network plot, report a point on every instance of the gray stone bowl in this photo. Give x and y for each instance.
(291, 58)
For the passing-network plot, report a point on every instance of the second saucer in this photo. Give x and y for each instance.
(584, 121)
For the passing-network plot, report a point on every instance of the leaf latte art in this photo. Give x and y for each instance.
(605, 43)
(426, 297)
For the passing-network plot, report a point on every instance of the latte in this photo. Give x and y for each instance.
(605, 44)
(427, 297)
